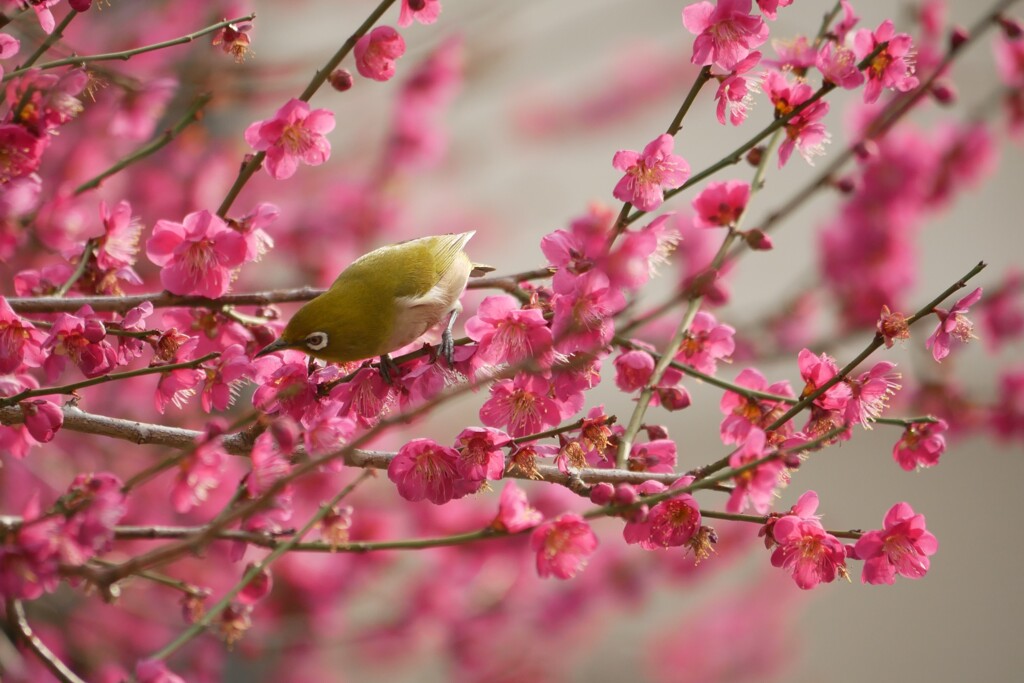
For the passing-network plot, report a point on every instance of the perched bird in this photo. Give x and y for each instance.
(385, 300)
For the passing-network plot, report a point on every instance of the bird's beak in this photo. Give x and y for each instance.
(275, 345)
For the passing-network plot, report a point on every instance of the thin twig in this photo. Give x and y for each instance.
(25, 633)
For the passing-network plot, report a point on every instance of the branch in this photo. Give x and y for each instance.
(51, 661)
(57, 34)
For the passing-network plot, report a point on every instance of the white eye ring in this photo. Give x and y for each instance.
(315, 341)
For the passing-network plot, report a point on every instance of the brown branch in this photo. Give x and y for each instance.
(59, 669)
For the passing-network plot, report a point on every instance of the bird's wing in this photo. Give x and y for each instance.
(446, 249)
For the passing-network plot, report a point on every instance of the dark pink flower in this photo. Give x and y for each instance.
(96, 503)
(706, 343)
(79, 338)
(480, 453)
(583, 320)
(804, 132)
(365, 397)
(506, 333)
(234, 40)
(377, 51)
(893, 67)
(425, 469)
(670, 523)
(807, 551)
(953, 325)
(720, 204)
(657, 456)
(726, 32)
(838, 65)
(177, 387)
(769, 8)
(42, 419)
(224, 375)
(734, 91)
(295, 133)
(198, 256)
(514, 511)
(423, 11)
(198, 474)
(633, 369)
(921, 445)
(285, 386)
(29, 559)
(870, 392)
(257, 240)
(563, 546)
(892, 326)
(578, 250)
(902, 547)
(20, 341)
(269, 465)
(47, 100)
(521, 405)
(20, 151)
(649, 173)
(756, 487)
(816, 372)
(118, 246)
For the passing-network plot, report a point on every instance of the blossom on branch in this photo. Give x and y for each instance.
(295, 133)
(649, 173)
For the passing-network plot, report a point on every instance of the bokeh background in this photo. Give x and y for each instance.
(516, 171)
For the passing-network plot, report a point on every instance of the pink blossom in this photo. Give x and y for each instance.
(838, 65)
(257, 241)
(365, 397)
(807, 551)
(9, 46)
(269, 465)
(769, 8)
(670, 523)
(921, 445)
(816, 372)
(199, 472)
(20, 341)
(633, 369)
(726, 32)
(638, 254)
(97, 502)
(720, 204)
(326, 431)
(119, 244)
(902, 547)
(521, 405)
(377, 51)
(480, 453)
(425, 469)
(953, 325)
(706, 343)
(656, 456)
(425, 12)
(804, 131)
(223, 376)
(563, 546)
(795, 55)
(16, 439)
(197, 256)
(893, 67)
(514, 511)
(140, 108)
(234, 40)
(295, 133)
(285, 386)
(649, 173)
(48, 100)
(578, 250)
(506, 333)
(734, 91)
(756, 487)
(583, 320)
(870, 392)
(258, 587)
(42, 419)
(177, 387)
(29, 560)
(20, 151)
(742, 413)
(79, 338)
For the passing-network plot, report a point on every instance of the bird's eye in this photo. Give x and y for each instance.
(316, 341)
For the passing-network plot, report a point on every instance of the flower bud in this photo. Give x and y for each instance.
(958, 37)
(1011, 27)
(655, 432)
(340, 80)
(944, 92)
(755, 155)
(625, 494)
(757, 240)
(601, 494)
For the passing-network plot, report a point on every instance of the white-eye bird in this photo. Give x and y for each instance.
(384, 300)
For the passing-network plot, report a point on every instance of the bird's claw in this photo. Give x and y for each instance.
(387, 367)
(447, 347)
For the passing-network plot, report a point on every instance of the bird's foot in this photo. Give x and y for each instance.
(388, 369)
(447, 348)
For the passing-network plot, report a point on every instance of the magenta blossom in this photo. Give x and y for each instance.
(506, 333)
(726, 32)
(755, 487)
(514, 511)
(20, 151)
(425, 469)
(295, 133)
(902, 547)
(953, 325)
(742, 413)
(734, 91)
(818, 371)
(893, 67)
(80, 338)
(118, 246)
(198, 256)
(633, 369)
(720, 204)
(20, 341)
(769, 8)
(805, 131)
(480, 453)
(563, 546)
(807, 551)
(377, 51)
(921, 445)
(584, 319)
(838, 65)
(521, 405)
(658, 456)
(870, 392)
(427, 12)
(649, 173)
(706, 343)
(199, 473)
(42, 419)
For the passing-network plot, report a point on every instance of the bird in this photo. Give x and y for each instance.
(385, 300)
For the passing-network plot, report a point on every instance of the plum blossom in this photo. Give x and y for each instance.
(706, 343)
(902, 547)
(807, 551)
(633, 369)
(726, 32)
(583, 319)
(649, 173)
(921, 445)
(42, 419)
(199, 472)
(480, 453)
(563, 546)
(893, 67)
(506, 333)
(755, 487)
(197, 256)
(953, 325)
(870, 392)
(79, 338)
(514, 511)
(20, 341)
(743, 413)
(295, 133)
(720, 204)
(521, 405)
(818, 371)
(377, 51)
(838, 65)
(804, 131)
(425, 469)
(734, 91)
(423, 11)
(669, 523)
(21, 152)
